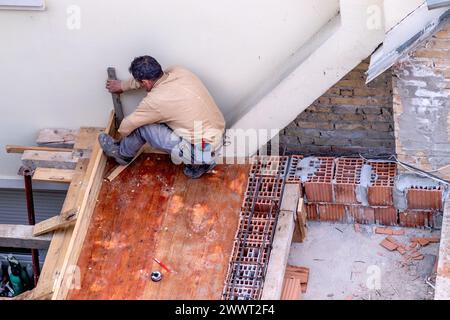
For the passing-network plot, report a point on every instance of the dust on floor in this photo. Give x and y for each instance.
(349, 265)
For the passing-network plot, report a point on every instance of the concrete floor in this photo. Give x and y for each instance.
(349, 265)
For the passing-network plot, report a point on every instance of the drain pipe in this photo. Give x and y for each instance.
(27, 174)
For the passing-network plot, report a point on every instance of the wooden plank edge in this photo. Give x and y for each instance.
(96, 168)
(11, 148)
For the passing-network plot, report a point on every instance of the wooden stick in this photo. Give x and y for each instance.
(11, 148)
(117, 171)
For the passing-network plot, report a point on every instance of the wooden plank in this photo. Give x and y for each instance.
(12, 148)
(273, 285)
(93, 180)
(119, 169)
(292, 289)
(291, 197)
(46, 159)
(443, 273)
(64, 138)
(85, 141)
(53, 175)
(61, 238)
(152, 211)
(61, 221)
(118, 109)
(21, 236)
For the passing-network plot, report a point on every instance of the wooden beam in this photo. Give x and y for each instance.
(46, 159)
(94, 179)
(301, 222)
(61, 221)
(12, 148)
(21, 236)
(53, 175)
(273, 285)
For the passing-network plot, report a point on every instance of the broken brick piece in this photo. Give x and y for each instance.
(389, 231)
(401, 250)
(357, 228)
(425, 241)
(389, 245)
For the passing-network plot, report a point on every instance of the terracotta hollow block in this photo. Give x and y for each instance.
(272, 166)
(380, 191)
(319, 192)
(331, 212)
(428, 199)
(347, 177)
(292, 176)
(415, 219)
(360, 214)
(311, 212)
(386, 216)
(318, 187)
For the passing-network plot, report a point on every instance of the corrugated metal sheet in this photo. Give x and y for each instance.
(13, 210)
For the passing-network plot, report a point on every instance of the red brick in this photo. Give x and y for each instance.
(388, 245)
(293, 167)
(274, 166)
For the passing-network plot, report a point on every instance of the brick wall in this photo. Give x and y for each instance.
(422, 105)
(350, 118)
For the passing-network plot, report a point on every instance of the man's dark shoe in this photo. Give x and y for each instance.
(111, 148)
(197, 171)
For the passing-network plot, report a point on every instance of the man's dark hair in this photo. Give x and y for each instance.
(146, 68)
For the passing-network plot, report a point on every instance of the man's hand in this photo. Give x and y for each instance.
(114, 86)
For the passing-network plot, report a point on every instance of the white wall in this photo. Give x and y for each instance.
(397, 10)
(52, 76)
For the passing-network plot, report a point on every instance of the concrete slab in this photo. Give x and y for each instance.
(349, 265)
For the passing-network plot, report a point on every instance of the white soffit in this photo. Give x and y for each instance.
(404, 37)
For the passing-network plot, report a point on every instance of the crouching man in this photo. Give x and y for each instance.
(178, 116)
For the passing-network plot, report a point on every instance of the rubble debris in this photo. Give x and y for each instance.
(389, 231)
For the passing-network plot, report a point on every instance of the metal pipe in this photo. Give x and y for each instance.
(27, 174)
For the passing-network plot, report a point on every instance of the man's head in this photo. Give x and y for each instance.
(146, 70)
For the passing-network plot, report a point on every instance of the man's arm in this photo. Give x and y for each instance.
(119, 86)
(145, 114)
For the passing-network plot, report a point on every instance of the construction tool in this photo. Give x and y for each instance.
(116, 99)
